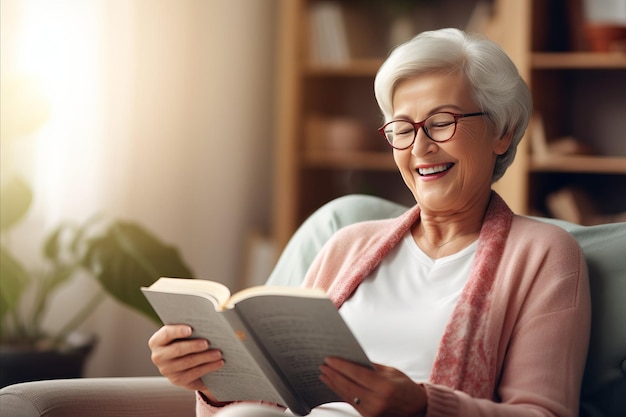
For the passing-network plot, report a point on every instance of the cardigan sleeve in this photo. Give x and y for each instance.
(544, 299)
(204, 409)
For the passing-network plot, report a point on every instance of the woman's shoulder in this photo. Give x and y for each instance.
(374, 229)
(541, 232)
(354, 239)
(364, 232)
(373, 225)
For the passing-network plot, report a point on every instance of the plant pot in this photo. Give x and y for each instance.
(21, 364)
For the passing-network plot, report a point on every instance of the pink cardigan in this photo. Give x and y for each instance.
(517, 340)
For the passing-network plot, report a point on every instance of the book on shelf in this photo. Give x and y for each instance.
(273, 339)
(328, 38)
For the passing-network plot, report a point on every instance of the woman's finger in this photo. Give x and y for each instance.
(168, 333)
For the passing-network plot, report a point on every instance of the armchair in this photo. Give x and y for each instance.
(604, 382)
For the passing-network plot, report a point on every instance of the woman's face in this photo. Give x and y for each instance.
(452, 176)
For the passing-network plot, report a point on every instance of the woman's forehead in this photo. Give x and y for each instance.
(432, 90)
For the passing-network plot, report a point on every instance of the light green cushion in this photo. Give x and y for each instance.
(604, 246)
(320, 226)
(604, 384)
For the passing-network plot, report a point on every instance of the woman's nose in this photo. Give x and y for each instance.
(423, 144)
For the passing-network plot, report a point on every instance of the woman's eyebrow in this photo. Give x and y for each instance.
(437, 109)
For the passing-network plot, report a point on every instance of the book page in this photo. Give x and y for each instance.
(264, 290)
(298, 333)
(217, 291)
(240, 378)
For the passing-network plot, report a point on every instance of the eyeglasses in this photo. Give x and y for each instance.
(439, 127)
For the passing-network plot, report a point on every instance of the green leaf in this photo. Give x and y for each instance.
(66, 241)
(52, 243)
(16, 198)
(128, 257)
(13, 280)
(49, 282)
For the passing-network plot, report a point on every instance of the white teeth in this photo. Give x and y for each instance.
(433, 170)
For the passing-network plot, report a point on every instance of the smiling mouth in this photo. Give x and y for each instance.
(437, 169)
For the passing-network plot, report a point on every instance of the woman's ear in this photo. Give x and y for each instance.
(501, 145)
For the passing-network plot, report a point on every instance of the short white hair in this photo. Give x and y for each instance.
(494, 81)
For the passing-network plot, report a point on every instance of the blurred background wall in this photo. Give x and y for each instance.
(159, 111)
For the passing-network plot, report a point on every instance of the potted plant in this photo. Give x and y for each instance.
(121, 256)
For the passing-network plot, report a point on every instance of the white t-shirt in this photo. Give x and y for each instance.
(400, 311)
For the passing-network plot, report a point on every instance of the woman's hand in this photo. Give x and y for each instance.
(183, 361)
(383, 391)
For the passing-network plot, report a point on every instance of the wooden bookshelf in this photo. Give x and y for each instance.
(578, 93)
(581, 95)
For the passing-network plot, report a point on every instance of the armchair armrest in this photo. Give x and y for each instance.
(97, 397)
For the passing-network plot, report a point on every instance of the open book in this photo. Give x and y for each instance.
(273, 339)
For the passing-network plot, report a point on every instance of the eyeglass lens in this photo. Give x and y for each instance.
(438, 127)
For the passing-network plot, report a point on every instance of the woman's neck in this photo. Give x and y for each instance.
(440, 235)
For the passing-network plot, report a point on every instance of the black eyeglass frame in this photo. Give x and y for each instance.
(418, 125)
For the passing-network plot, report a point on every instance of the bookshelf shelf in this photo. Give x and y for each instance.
(578, 60)
(578, 164)
(375, 161)
(356, 67)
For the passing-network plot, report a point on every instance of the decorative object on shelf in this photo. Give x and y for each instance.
(606, 37)
(576, 206)
(406, 17)
(571, 204)
(336, 134)
(537, 135)
(568, 145)
(605, 25)
(402, 29)
(481, 18)
(542, 148)
(327, 30)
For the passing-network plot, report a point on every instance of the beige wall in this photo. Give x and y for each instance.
(167, 120)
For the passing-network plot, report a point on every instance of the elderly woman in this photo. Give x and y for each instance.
(465, 308)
